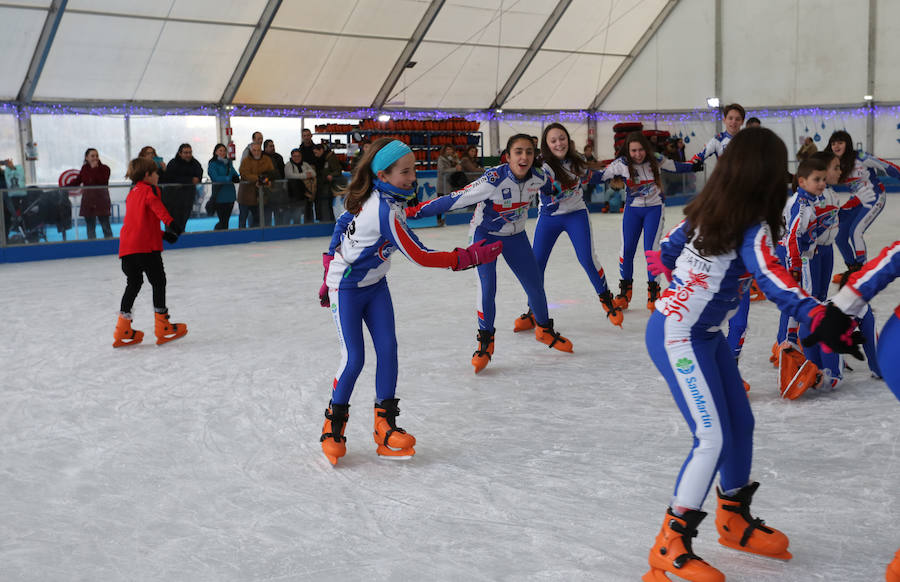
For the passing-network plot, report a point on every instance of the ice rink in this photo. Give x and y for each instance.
(200, 460)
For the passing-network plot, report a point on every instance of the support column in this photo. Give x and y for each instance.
(870, 77)
(718, 72)
(27, 147)
(223, 129)
(494, 133)
(129, 155)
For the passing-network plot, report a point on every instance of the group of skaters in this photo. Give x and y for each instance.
(725, 243)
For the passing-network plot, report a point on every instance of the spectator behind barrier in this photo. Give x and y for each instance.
(277, 204)
(255, 138)
(306, 150)
(180, 180)
(149, 152)
(301, 185)
(223, 177)
(257, 173)
(95, 203)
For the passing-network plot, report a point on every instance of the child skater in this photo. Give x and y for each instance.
(503, 195)
(563, 210)
(356, 289)
(638, 165)
(727, 233)
(140, 249)
(867, 198)
(852, 299)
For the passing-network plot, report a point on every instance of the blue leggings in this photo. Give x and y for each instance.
(350, 308)
(578, 227)
(637, 219)
(737, 325)
(889, 351)
(704, 380)
(520, 258)
(852, 226)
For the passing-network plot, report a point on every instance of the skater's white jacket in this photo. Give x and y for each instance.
(705, 291)
(559, 200)
(643, 190)
(804, 228)
(362, 244)
(863, 180)
(868, 282)
(714, 147)
(827, 208)
(502, 200)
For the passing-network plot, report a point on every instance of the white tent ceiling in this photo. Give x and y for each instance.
(533, 54)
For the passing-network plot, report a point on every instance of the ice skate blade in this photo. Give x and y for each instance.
(399, 454)
(786, 555)
(166, 339)
(119, 343)
(655, 575)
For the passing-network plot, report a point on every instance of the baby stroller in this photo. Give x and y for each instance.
(32, 210)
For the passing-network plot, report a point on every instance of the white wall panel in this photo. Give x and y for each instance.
(887, 35)
(511, 128)
(811, 52)
(62, 140)
(556, 80)
(887, 136)
(19, 34)
(676, 68)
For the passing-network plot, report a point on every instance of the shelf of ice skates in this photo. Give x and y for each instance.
(200, 459)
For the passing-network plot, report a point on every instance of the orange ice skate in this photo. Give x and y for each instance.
(624, 297)
(546, 335)
(893, 569)
(334, 443)
(524, 322)
(392, 440)
(741, 531)
(796, 373)
(485, 350)
(672, 551)
(613, 314)
(124, 335)
(165, 331)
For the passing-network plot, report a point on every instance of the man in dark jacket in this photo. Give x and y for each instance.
(179, 184)
(277, 203)
(306, 150)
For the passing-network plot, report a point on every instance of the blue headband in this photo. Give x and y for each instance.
(389, 154)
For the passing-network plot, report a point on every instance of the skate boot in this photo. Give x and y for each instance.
(756, 293)
(392, 440)
(652, 294)
(613, 313)
(124, 335)
(334, 443)
(524, 322)
(485, 350)
(165, 331)
(624, 297)
(746, 386)
(672, 551)
(741, 531)
(796, 373)
(893, 569)
(842, 278)
(545, 334)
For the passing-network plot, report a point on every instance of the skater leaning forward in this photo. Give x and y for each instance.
(727, 233)
(140, 249)
(503, 195)
(356, 264)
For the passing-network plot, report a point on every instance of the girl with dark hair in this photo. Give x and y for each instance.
(355, 287)
(503, 195)
(223, 176)
(563, 210)
(725, 238)
(867, 198)
(639, 166)
(95, 203)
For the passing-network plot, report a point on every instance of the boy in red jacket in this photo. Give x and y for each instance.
(140, 248)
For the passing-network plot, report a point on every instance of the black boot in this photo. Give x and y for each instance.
(624, 297)
(652, 294)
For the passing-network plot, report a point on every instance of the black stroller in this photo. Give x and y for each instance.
(31, 211)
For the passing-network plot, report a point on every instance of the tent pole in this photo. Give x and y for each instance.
(870, 80)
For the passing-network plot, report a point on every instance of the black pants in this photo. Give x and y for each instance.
(134, 266)
(91, 226)
(223, 211)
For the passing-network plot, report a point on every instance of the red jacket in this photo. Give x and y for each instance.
(140, 229)
(94, 201)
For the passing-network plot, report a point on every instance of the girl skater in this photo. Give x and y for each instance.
(867, 197)
(563, 210)
(503, 195)
(862, 286)
(638, 165)
(357, 261)
(727, 233)
(140, 249)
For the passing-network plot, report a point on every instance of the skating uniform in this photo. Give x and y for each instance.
(810, 220)
(714, 147)
(362, 246)
(686, 343)
(563, 210)
(867, 198)
(643, 207)
(502, 202)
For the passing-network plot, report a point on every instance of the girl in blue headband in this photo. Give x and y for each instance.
(358, 258)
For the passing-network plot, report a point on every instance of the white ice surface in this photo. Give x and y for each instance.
(200, 460)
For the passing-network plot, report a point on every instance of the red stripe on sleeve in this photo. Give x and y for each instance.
(420, 256)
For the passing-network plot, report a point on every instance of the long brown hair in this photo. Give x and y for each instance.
(568, 178)
(746, 187)
(848, 159)
(360, 187)
(649, 157)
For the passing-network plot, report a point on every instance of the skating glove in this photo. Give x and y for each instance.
(836, 330)
(236, 179)
(477, 254)
(697, 166)
(656, 266)
(171, 233)
(324, 300)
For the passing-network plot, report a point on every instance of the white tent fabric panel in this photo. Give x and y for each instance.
(887, 81)
(812, 52)
(299, 68)
(557, 80)
(675, 70)
(603, 26)
(886, 134)
(511, 128)
(35, 3)
(198, 74)
(234, 11)
(386, 18)
(507, 23)
(464, 77)
(20, 30)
